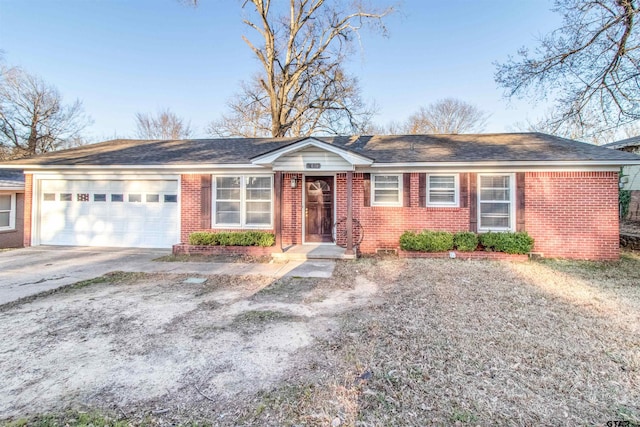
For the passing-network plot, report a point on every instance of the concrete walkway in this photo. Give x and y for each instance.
(29, 271)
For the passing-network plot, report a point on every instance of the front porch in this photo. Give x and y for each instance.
(308, 252)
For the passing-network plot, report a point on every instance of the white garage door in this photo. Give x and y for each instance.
(141, 214)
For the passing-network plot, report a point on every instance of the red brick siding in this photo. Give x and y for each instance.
(573, 214)
(465, 255)
(28, 208)
(291, 210)
(15, 238)
(190, 206)
(569, 214)
(221, 250)
(191, 211)
(383, 225)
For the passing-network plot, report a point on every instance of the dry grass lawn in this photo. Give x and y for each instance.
(383, 342)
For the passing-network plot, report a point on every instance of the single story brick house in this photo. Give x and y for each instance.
(11, 208)
(134, 193)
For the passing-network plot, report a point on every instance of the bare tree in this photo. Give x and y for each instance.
(570, 128)
(33, 117)
(302, 88)
(447, 115)
(590, 66)
(164, 125)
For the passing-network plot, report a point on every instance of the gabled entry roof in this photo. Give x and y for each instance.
(353, 158)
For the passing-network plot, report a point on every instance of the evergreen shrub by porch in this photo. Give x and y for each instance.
(426, 241)
(465, 241)
(232, 238)
(511, 243)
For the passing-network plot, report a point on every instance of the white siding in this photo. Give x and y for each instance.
(633, 174)
(298, 160)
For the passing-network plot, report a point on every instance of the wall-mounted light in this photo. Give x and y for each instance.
(294, 182)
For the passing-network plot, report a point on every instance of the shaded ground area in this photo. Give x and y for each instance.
(382, 342)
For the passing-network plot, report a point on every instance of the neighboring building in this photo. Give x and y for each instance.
(11, 208)
(156, 193)
(632, 174)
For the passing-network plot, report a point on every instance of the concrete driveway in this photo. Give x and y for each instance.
(29, 271)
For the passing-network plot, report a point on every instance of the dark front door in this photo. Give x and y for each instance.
(318, 208)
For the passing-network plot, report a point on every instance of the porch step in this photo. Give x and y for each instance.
(305, 252)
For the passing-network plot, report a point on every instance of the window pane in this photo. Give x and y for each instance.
(152, 198)
(227, 194)
(258, 206)
(5, 203)
(258, 218)
(493, 194)
(494, 222)
(65, 197)
(228, 212)
(494, 215)
(49, 197)
(135, 198)
(259, 194)
(258, 182)
(171, 198)
(386, 181)
(4, 219)
(99, 197)
(442, 181)
(494, 208)
(117, 198)
(228, 182)
(386, 196)
(82, 197)
(442, 197)
(494, 181)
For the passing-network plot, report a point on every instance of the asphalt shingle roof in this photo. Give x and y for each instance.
(629, 142)
(11, 178)
(382, 149)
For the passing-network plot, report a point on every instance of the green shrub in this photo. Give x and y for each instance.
(232, 238)
(465, 241)
(426, 241)
(511, 243)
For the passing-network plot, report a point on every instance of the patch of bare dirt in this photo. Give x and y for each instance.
(383, 342)
(155, 342)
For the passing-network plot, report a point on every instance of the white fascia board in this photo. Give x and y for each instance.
(144, 170)
(177, 168)
(522, 166)
(102, 175)
(354, 159)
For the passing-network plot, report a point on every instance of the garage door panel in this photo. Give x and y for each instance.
(87, 221)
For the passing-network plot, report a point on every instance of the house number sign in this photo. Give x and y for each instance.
(313, 165)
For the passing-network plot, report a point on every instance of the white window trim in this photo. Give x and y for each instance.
(456, 188)
(243, 205)
(512, 202)
(12, 212)
(373, 190)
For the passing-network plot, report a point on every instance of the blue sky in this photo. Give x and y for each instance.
(126, 56)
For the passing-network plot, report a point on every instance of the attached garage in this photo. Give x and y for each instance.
(108, 212)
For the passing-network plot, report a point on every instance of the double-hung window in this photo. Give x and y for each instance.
(386, 190)
(495, 202)
(442, 190)
(242, 201)
(7, 211)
